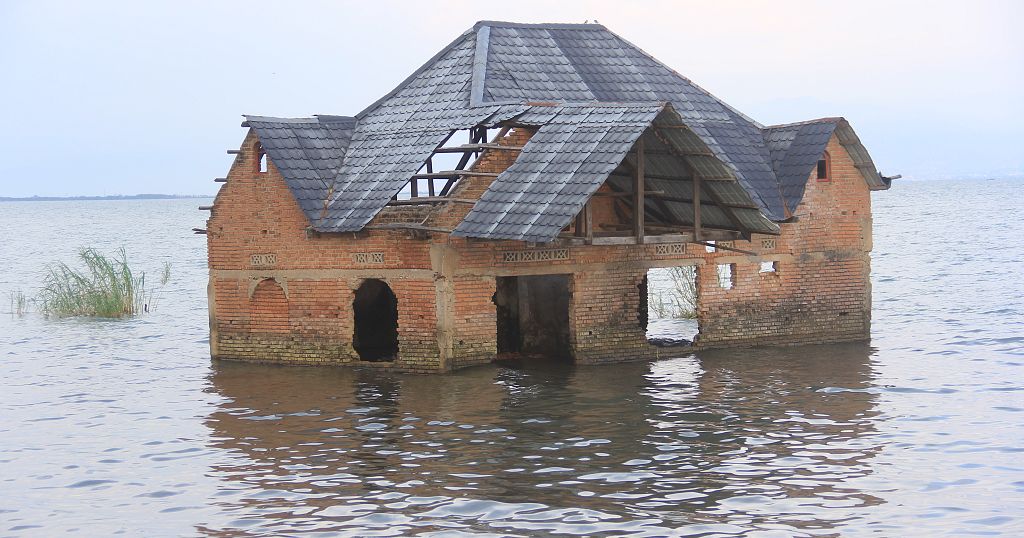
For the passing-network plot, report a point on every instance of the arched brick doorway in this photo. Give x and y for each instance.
(375, 309)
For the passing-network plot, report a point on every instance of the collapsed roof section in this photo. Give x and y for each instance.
(344, 171)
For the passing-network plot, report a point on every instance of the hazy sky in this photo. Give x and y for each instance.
(139, 97)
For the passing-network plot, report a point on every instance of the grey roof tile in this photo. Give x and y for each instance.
(289, 144)
(795, 150)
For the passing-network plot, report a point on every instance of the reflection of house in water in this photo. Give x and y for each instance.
(797, 420)
(682, 440)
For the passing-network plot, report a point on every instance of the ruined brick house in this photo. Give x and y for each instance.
(511, 195)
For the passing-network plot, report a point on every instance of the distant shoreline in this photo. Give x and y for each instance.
(110, 197)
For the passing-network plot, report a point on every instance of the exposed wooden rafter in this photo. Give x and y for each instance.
(470, 148)
(665, 213)
(699, 189)
(639, 207)
(478, 143)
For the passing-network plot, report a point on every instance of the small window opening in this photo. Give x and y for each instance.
(769, 267)
(824, 168)
(261, 159)
(709, 246)
(669, 296)
(727, 276)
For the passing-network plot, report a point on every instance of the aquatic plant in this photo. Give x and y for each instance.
(165, 275)
(678, 299)
(151, 297)
(107, 287)
(684, 291)
(656, 303)
(19, 303)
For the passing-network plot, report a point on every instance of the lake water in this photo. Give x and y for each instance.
(127, 427)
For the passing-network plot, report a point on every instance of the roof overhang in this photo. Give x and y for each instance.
(861, 159)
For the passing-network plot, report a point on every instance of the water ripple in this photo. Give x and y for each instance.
(127, 427)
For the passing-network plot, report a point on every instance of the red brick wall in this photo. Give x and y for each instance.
(255, 213)
(606, 316)
(822, 290)
(475, 321)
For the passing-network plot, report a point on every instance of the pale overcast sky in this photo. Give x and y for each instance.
(144, 97)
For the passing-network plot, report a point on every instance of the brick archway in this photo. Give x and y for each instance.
(268, 308)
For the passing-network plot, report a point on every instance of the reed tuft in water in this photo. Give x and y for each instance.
(106, 288)
(19, 303)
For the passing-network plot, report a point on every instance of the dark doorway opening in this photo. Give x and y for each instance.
(533, 316)
(375, 310)
(642, 315)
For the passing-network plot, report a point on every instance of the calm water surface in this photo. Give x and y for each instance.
(126, 427)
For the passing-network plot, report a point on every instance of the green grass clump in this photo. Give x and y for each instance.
(106, 288)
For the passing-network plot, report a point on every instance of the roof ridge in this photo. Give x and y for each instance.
(401, 85)
(331, 118)
(545, 25)
(273, 119)
(480, 53)
(317, 119)
(828, 119)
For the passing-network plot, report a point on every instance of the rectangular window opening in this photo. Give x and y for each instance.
(668, 305)
(769, 267)
(727, 276)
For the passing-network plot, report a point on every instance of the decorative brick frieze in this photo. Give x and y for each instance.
(368, 258)
(528, 256)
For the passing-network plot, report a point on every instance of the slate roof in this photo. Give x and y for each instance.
(574, 152)
(494, 72)
(795, 149)
(589, 63)
(307, 151)
(382, 158)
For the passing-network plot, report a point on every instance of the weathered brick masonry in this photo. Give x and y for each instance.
(607, 164)
(299, 309)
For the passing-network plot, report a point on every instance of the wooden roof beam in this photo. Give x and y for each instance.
(476, 148)
(699, 190)
(448, 174)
